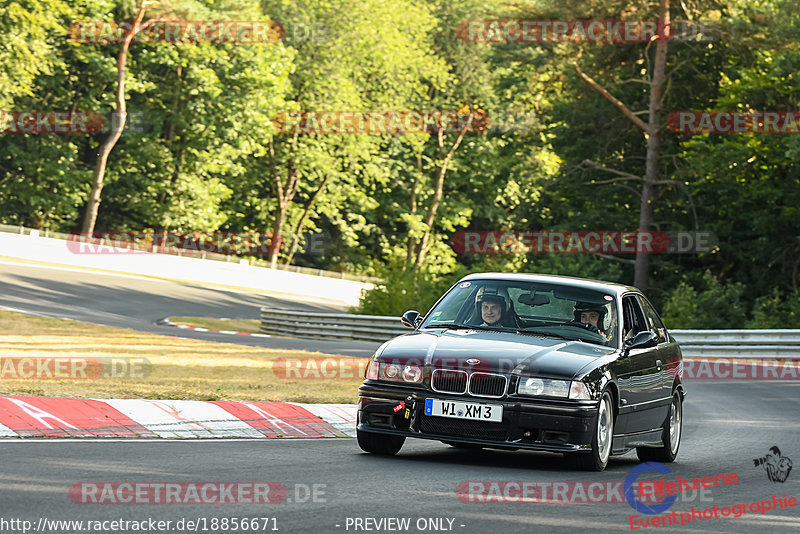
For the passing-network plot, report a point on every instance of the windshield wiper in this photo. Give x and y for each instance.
(457, 326)
(544, 333)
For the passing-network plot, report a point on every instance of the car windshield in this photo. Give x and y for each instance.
(559, 311)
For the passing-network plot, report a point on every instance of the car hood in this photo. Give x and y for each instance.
(498, 352)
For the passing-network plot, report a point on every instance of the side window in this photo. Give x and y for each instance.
(464, 304)
(457, 303)
(653, 320)
(634, 321)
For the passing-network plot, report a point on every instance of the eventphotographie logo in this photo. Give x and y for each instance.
(777, 466)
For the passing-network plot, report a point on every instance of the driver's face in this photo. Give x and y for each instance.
(590, 317)
(491, 311)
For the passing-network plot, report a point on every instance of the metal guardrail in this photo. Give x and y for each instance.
(739, 343)
(22, 230)
(694, 343)
(330, 325)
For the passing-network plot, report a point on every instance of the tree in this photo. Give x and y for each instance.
(29, 25)
(652, 131)
(93, 204)
(360, 60)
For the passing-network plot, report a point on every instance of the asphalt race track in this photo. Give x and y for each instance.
(727, 425)
(137, 302)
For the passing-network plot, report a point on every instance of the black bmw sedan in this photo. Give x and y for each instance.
(519, 361)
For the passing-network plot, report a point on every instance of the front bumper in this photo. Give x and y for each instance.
(546, 425)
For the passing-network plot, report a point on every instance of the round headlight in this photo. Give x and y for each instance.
(534, 386)
(412, 373)
(391, 371)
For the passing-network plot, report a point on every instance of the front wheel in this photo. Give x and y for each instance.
(603, 435)
(382, 444)
(670, 435)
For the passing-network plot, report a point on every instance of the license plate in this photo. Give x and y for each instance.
(464, 410)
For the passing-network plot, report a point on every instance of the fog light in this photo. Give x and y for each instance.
(579, 391)
(371, 372)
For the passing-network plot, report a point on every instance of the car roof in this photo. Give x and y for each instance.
(585, 283)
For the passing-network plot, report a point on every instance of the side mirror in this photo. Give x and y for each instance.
(410, 318)
(642, 340)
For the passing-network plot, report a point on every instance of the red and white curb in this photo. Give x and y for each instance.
(139, 418)
(166, 322)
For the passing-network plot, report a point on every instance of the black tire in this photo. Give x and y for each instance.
(671, 432)
(602, 438)
(382, 444)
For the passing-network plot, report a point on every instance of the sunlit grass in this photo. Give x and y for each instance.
(178, 368)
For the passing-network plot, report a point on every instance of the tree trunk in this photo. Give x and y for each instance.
(430, 217)
(285, 193)
(299, 228)
(642, 267)
(93, 204)
(652, 133)
(411, 248)
(275, 243)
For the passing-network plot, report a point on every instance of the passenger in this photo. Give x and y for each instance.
(591, 314)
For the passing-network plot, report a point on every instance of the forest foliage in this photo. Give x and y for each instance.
(201, 150)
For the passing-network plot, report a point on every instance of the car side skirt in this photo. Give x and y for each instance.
(625, 442)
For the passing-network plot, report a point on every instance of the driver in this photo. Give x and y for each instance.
(591, 314)
(493, 306)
